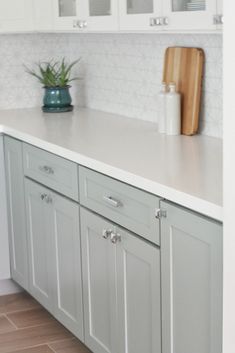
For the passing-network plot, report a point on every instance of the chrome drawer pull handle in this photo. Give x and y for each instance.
(111, 201)
(46, 198)
(46, 169)
(115, 237)
(106, 233)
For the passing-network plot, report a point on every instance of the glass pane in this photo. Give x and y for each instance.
(189, 5)
(139, 6)
(67, 8)
(100, 7)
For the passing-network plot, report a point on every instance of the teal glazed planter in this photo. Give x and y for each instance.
(57, 100)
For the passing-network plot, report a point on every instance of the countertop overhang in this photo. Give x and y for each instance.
(185, 170)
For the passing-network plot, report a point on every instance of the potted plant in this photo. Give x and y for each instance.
(55, 77)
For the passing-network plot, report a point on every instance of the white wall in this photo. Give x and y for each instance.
(4, 246)
(229, 180)
(122, 72)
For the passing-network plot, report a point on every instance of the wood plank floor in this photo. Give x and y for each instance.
(26, 327)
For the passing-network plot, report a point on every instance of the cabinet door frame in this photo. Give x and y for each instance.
(139, 22)
(92, 222)
(148, 254)
(32, 189)
(69, 209)
(190, 20)
(16, 210)
(208, 232)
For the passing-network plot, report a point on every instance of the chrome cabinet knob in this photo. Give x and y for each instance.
(115, 238)
(159, 21)
(106, 233)
(221, 19)
(152, 22)
(218, 19)
(80, 24)
(165, 21)
(46, 198)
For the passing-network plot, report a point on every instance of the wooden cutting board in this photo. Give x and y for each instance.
(185, 67)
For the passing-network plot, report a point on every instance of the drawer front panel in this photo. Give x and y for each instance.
(132, 208)
(48, 169)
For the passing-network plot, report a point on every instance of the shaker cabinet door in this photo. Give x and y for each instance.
(55, 255)
(99, 285)
(40, 243)
(121, 277)
(16, 211)
(67, 271)
(191, 265)
(138, 271)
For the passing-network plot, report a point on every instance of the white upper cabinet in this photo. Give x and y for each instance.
(110, 15)
(67, 13)
(43, 15)
(101, 15)
(16, 15)
(190, 14)
(139, 14)
(78, 15)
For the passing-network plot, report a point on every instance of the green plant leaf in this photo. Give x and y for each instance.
(53, 73)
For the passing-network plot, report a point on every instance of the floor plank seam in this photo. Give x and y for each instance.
(51, 348)
(19, 310)
(29, 347)
(11, 321)
(60, 341)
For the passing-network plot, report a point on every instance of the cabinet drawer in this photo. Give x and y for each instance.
(132, 208)
(48, 169)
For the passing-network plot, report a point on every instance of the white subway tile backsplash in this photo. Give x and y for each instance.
(121, 72)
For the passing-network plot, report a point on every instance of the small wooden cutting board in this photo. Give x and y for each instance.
(184, 67)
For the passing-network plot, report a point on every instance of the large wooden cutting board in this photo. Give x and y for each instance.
(185, 67)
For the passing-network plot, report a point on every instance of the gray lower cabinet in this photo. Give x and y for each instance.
(191, 265)
(55, 255)
(16, 211)
(121, 279)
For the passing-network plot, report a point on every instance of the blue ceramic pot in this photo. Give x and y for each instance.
(57, 99)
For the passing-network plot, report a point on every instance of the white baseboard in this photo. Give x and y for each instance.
(8, 286)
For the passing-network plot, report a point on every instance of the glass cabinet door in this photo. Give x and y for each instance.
(190, 14)
(67, 8)
(68, 14)
(138, 14)
(101, 15)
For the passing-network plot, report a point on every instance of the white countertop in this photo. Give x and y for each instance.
(185, 170)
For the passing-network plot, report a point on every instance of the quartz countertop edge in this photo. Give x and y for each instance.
(185, 199)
